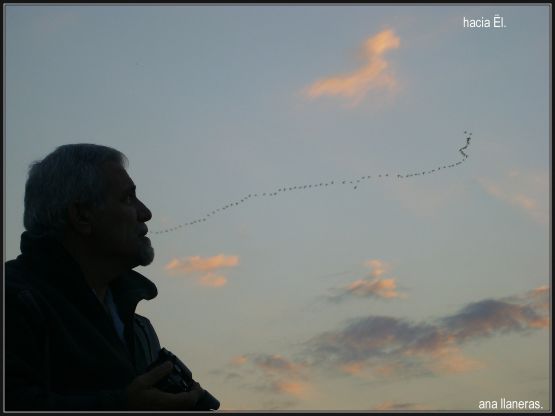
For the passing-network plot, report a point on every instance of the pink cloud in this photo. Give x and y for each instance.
(239, 360)
(374, 74)
(203, 268)
(202, 264)
(213, 280)
(295, 388)
(378, 287)
(378, 267)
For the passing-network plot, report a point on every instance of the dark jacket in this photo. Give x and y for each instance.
(62, 351)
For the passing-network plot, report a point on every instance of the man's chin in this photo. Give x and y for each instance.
(146, 255)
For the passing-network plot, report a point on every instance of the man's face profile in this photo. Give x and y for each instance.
(118, 228)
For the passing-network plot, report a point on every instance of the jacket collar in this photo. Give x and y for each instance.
(48, 255)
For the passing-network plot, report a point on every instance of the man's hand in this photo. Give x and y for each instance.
(142, 395)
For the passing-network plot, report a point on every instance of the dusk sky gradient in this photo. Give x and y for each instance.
(425, 292)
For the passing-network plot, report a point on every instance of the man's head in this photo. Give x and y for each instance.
(83, 191)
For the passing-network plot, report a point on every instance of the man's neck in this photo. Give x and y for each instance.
(98, 279)
(98, 272)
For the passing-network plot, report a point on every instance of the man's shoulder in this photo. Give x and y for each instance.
(143, 322)
(22, 284)
(21, 291)
(17, 275)
(147, 337)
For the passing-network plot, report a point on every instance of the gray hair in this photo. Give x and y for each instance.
(72, 172)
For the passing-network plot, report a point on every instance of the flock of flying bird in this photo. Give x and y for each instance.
(352, 182)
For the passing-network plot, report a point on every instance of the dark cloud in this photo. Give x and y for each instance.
(382, 342)
(370, 337)
(274, 363)
(491, 317)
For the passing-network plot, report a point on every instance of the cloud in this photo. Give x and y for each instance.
(293, 388)
(274, 374)
(385, 348)
(389, 405)
(378, 267)
(377, 287)
(383, 288)
(537, 298)
(238, 360)
(203, 268)
(353, 368)
(452, 361)
(374, 74)
(490, 317)
(389, 346)
(213, 280)
(277, 364)
(525, 191)
(200, 264)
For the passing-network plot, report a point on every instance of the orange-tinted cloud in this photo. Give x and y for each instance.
(526, 191)
(200, 264)
(386, 370)
(378, 267)
(277, 364)
(275, 374)
(452, 361)
(382, 288)
(353, 368)
(213, 280)
(203, 268)
(238, 360)
(374, 74)
(295, 388)
(377, 287)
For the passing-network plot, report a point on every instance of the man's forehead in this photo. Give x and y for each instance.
(117, 176)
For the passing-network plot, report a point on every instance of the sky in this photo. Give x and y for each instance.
(326, 237)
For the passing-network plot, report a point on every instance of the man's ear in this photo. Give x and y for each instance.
(80, 218)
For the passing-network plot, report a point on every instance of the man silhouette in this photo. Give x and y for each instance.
(72, 338)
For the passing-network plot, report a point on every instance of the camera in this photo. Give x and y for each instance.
(181, 380)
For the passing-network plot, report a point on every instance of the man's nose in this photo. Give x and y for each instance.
(144, 213)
